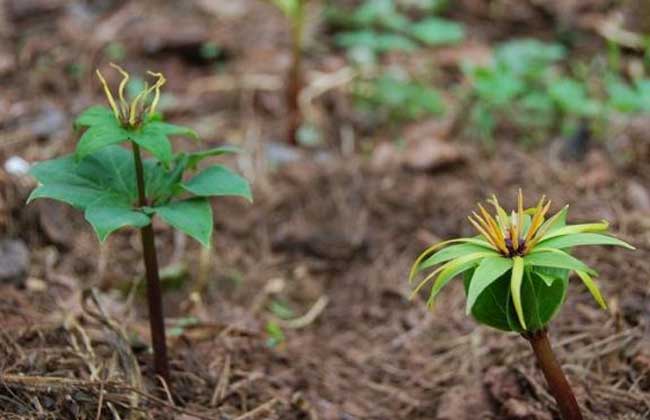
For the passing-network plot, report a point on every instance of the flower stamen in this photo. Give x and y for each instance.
(507, 233)
(132, 114)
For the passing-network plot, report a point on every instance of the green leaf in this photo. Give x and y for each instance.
(622, 97)
(488, 271)
(167, 129)
(402, 98)
(78, 196)
(483, 120)
(218, 180)
(99, 136)
(377, 42)
(454, 268)
(195, 158)
(153, 141)
(106, 218)
(571, 229)
(452, 252)
(382, 13)
(193, 216)
(415, 268)
(496, 86)
(515, 288)
(95, 115)
(103, 184)
(548, 280)
(161, 184)
(551, 257)
(572, 98)
(579, 239)
(540, 303)
(276, 335)
(490, 306)
(281, 310)
(555, 222)
(547, 299)
(290, 8)
(106, 173)
(592, 287)
(529, 57)
(104, 130)
(153, 137)
(437, 31)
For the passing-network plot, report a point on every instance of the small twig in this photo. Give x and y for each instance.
(226, 83)
(259, 409)
(323, 83)
(222, 386)
(309, 317)
(165, 387)
(100, 403)
(173, 407)
(235, 387)
(50, 384)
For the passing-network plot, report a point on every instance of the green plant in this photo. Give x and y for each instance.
(116, 187)
(275, 334)
(516, 89)
(398, 99)
(295, 12)
(516, 275)
(628, 98)
(377, 26)
(526, 87)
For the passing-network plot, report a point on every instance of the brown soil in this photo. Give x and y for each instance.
(330, 236)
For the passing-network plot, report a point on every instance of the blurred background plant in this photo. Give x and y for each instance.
(295, 12)
(380, 26)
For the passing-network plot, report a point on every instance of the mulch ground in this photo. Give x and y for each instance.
(329, 239)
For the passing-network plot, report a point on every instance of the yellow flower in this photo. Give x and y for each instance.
(131, 115)
(515, 234)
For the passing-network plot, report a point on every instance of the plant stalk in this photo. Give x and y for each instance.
(557, 382)
(294, 82)
(154, 293)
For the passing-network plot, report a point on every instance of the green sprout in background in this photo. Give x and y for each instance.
(516, 276)
(379, 26)
(376, 27)
(529, 86)
(115, 187)
(294, 10)
(398, 100)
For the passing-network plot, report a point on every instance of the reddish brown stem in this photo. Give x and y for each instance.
(154, 293)
(557, 382)
(294, 79)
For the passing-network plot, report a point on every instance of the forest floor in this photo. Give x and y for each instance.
(323, 253)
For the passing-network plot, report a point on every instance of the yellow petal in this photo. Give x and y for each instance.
(481, 230)
(125, 80)
(142, 96)
(108, 94)
(482, 222)
(427, 252)
(514, 230)
(502, 216)
(500, 240)
(159, 83)
(541, 232)
(538, 218)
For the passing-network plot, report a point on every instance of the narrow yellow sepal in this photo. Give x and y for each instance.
(515, 288)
